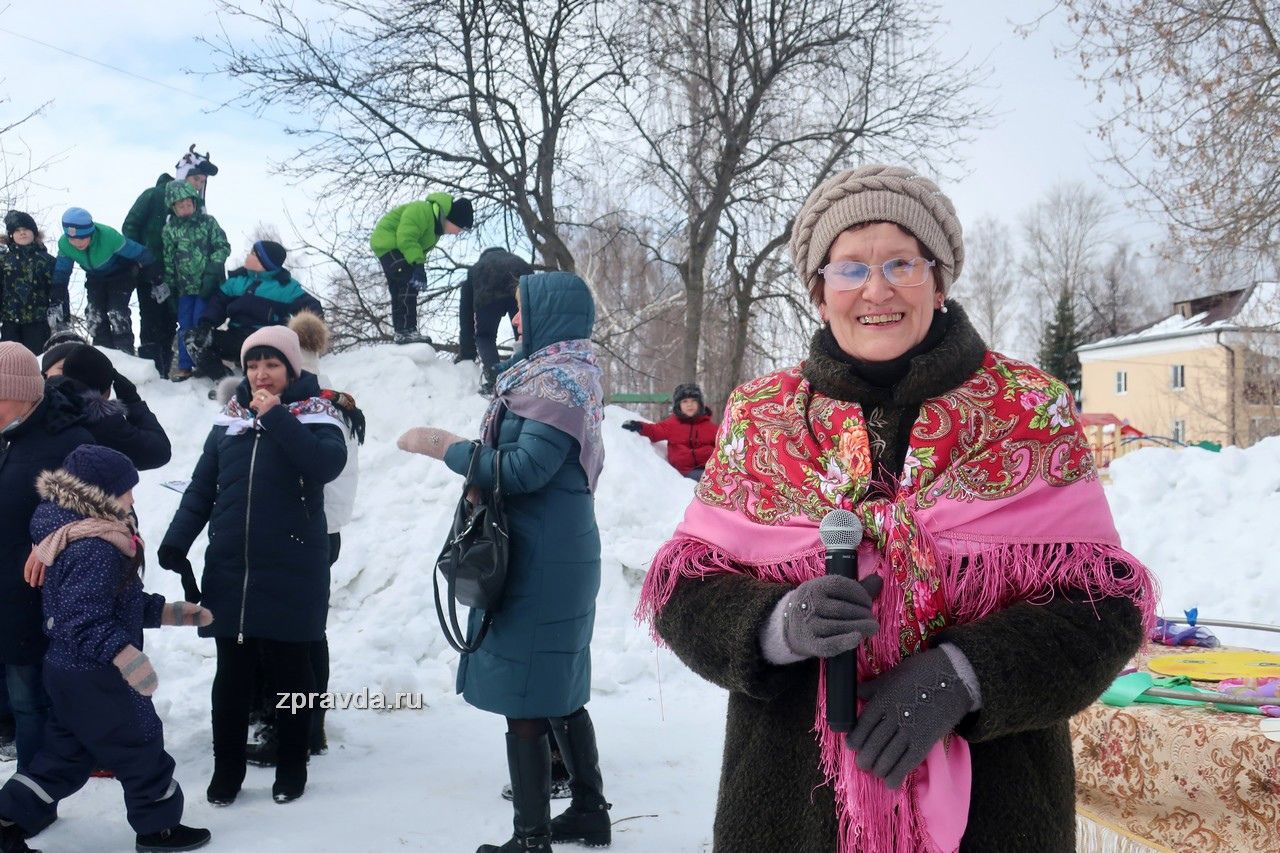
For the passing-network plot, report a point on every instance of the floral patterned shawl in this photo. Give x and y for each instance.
(998, 502)
(558, 385)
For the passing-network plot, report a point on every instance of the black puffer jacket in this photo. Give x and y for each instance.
(40, 443)
(266, 570)
(129, 428)
(495, 274)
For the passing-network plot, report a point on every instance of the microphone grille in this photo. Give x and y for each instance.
(840, 529)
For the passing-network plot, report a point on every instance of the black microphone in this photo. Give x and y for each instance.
(841, 533)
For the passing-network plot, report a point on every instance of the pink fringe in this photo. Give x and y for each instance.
(980, 577)
(686, 557)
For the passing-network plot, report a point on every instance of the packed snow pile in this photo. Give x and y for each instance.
(429, 779)
(1206, 523)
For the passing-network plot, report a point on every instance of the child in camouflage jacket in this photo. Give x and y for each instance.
(195, 252)
(28, 305)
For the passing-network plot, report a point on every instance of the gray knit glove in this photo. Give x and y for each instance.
(136, 668)
(909, 709)
(829, 615)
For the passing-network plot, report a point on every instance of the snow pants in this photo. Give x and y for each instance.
(107, 315)
(97, 720)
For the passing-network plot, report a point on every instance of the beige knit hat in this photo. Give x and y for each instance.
(20, 377)
(877, 193)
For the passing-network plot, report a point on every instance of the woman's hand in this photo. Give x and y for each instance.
(33, 571)
(263, 401)
(909, 709)
(429, 441)
(829, 615)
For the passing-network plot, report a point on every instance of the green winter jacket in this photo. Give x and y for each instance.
(412, 228)
(145, 221)
(195, 246)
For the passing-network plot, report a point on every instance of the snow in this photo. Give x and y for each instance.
(430, 779)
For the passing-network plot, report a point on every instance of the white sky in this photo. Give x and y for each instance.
(113, 134)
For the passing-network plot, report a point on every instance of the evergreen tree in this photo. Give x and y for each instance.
(1058, 345)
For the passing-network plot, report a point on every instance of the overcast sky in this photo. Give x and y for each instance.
(111, 134)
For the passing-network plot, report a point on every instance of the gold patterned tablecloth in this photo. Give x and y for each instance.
(1182, 778)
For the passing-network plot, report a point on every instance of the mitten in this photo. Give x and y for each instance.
(418, 281)
(429, 441)
(126, 391)
(185, 613)
(136, 669)
(633, 426)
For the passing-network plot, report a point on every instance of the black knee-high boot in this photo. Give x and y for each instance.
(529, 761)
(586, 821)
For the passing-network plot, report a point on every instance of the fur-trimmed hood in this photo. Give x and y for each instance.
(75, 495)
(95, 406)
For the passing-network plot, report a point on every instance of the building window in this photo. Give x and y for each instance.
(1122, 382)
(1178, 377)
(1180, 432)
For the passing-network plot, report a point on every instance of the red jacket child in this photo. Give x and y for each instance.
(690, 433)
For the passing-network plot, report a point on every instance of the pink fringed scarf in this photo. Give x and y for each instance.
(998, 502)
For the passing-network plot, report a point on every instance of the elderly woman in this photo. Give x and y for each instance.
(995, 600)
(534, 666)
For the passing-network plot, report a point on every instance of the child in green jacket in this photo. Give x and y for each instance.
(401, 241)
(195, 251)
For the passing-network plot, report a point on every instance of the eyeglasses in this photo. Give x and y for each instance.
(899, 272)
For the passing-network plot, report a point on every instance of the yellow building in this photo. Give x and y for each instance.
(1208, 372)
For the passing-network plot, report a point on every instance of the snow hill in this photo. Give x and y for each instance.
(429, 779)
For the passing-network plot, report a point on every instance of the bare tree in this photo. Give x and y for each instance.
(1199, 86)
(990, 279)
(18, 163)
(494, 100)
(751, 104)
(1118, 297)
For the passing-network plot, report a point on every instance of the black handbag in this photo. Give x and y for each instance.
(473, 561)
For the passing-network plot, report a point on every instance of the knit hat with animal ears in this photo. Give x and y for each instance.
(193, 163)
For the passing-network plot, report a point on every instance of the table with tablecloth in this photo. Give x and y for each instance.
(1176, 778)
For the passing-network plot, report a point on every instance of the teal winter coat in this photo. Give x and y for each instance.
(536, 660)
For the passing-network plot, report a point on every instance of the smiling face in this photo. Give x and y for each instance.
(267, 374)
(878, 322)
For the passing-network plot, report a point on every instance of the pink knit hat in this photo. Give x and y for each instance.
(20, 377)
(280, 338)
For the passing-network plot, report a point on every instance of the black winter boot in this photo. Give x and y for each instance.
(586, 821)
(12, 840)
(228, 776)
(174, 838)
(529, 762)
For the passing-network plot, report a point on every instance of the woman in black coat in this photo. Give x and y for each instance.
(259, 485)
(39, 426)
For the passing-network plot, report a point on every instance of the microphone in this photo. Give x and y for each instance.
(841, 533)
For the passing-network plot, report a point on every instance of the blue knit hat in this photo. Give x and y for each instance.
(270, 254)
(77, 222)
(109, 470)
